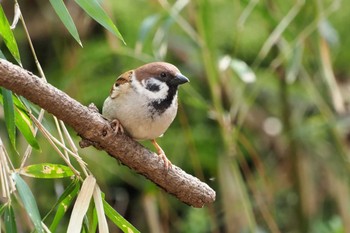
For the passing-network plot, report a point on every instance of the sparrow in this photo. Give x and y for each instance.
(143, 102)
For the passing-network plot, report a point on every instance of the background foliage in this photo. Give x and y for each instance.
(264, 120)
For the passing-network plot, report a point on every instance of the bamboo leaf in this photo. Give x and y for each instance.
(328, 32)
(22, 121)
(2, 208)
(75, 184)
(94, 9)
(63, 14)
(244, 72)
(8, 37)
(117, 219)
(102, 221)
(18, 103)
(16, 16)
(10, 220)
(47, 171)
(81, 205)
(64, 203)
(9, 115)
(147, 25)
(24, 125)
(28, 201)
(90, 219)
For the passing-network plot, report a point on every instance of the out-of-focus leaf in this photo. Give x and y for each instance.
(2, 55)
(293, 67)
(9, 115)
(117, 219)
(16, 16)
(243, 71)
(10, 220)
(328, 32)
(7, 35)
(147, 25)
(63, 14)
(2, 208)
(64, 203)
(81, 205)
(194, 98)
(47, 171)
(28, 201)
(94, 9)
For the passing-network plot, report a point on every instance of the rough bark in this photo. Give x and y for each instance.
(91, 126)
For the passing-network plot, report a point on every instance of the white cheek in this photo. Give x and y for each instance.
(154, 95)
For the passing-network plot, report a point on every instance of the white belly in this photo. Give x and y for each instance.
(136, 118)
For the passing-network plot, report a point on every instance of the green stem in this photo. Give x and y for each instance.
(293, 155)
(229, 173)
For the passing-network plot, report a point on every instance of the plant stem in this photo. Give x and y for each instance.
(293, 155)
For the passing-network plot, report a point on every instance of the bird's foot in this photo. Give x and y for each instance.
(167, 163)
(161, 154)
(117, 127)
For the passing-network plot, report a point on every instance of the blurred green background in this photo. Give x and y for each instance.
(264, 121)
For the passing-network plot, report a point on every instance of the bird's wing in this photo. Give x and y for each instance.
(121, 84)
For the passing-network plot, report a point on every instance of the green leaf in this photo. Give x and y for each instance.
(2, 55)
(47, 171)
(117, 219)
(10, 220)
(64, 203)
(91, 219)
(66, 192)
(24, 124)
(147, 25)
(94, 9)
(23, 121)
(2, 208)
(244, 72)
(19, 104)
(9, 115)
(7, 35)
(63, 14)
(28, 201)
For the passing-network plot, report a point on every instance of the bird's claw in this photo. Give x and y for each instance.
(161, 154)
(167, 164)
(116, 126)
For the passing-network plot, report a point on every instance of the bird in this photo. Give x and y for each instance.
(143, 102)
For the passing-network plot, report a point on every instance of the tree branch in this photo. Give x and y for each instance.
(90, 125)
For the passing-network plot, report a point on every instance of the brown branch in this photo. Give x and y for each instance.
(90, 125)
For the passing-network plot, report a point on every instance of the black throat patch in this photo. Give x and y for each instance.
(161, 106)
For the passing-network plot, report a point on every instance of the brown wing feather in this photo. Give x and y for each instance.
(123, 79)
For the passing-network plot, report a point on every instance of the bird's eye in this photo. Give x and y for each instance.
(163, 75)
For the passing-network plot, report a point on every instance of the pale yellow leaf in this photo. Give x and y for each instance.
(102, 221)
(81, 205)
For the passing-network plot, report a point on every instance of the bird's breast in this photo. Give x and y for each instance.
(138, 116)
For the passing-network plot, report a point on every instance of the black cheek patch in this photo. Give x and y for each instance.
(153, 87)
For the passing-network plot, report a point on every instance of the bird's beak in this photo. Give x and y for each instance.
(179, 79)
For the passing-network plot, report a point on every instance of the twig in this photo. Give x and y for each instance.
(90, 125)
